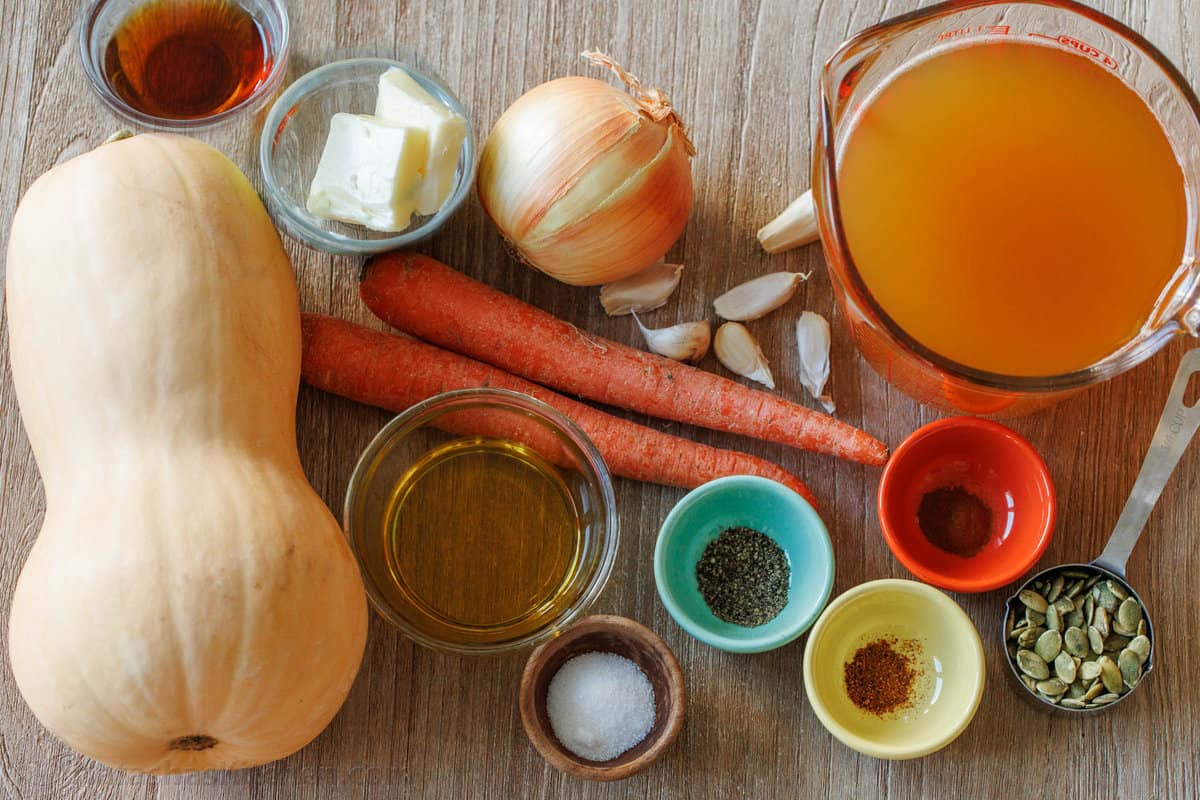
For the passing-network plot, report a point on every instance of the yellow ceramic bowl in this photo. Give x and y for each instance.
(950, 664)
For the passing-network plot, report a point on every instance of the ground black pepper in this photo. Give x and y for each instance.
(880, 677)
(743, 576)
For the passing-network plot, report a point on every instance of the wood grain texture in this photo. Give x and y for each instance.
(419, 724)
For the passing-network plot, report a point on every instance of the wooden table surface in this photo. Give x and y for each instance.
(421, 724)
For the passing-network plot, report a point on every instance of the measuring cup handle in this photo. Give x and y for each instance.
(1175, 429)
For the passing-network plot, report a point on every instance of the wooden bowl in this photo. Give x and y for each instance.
(606, 634)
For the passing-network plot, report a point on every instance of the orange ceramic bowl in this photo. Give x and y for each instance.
(994, 464)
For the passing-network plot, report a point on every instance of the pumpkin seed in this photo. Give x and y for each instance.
(1009, 623)
(1089, 610)
(1053, 619)
(1034, 618)
(1140, 645)
(1107, 600)
(1029, 636)
(1052, 686)
(1074, 589)
(1115, 643)
(1032, 600)
(1075, 641)
(1064, 667)
(1089, 670)
(1056, 587)
(1092, 581)
(1064, 605)
(1131, 667)
(1074, 619)
(1077, 573)
(1076, 690)
(1048, 645)
(1095, 640)
(1101, 622)
(1117, 589)
(1071, 702)
(1093, 691)
(1034, 665)
(1141, 628)
(1129, 614)
(1015, 631)
(1120, 629)
(1110, 674)
(1029, 682)
(1105, 699)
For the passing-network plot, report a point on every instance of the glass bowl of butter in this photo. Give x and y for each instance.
(366, 155)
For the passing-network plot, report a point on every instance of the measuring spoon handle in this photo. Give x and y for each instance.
(1175, 429)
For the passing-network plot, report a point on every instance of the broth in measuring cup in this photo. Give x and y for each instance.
(1013, 207)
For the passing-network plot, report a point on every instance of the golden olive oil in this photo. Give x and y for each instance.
(482, 539)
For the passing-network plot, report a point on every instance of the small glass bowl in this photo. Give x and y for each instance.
(293, 138)
(100, 19)
(407, 442)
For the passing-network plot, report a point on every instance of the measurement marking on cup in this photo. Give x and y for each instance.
(991, 30)
(1082, 47)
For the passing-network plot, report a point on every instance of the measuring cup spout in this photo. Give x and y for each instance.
(1175, 430)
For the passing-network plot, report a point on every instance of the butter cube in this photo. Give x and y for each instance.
(370, 172)
(402, 101)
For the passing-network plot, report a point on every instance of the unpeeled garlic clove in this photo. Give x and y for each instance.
(645, 291)
(687, 341)
(740, 353)
(812, 336)
(797, 225)
(758, 297)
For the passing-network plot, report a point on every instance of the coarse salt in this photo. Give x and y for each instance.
(600, 705)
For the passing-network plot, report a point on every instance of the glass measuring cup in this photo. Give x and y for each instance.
(870, 59)
(1175, 430)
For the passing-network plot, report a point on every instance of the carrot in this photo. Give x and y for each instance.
(433, 302)
(395, 372)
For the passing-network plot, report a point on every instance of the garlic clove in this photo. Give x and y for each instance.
(797, 225)
(687, 341)
(758, 297)
(740, 353)
(812, 336)
(645, 291)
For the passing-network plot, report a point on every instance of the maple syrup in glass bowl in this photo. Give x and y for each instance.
(184, 64)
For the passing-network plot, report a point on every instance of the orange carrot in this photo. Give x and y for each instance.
(433, 302)
(395, 372)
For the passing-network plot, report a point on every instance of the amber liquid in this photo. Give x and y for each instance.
(482, 539)
(1013, 207)
(186, 59)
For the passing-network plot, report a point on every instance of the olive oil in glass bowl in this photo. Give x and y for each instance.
(483, 521)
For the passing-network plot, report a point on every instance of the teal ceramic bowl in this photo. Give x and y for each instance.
(765, 506)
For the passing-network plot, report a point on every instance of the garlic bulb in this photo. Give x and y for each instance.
(588, 183)
(758, 297)
(687, 341)
(812, 336)
(796, 225)
(740, 353)
(645, 291)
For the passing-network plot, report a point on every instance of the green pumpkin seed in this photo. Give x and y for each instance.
(1074, 619)
(1052, 686)
(1121, 630)
(1048, 645)
(1034, 618)
(1089, 610)
(1092, 581)
(1033, 601)
(1104, 699)
(1064, 667)
(1129, 613)
(1064, 605)
(1110, 675)
(1093, 691)
(1009, 624)
(1117, 589)
(1101, 622)
(1140, 645)
(1053, 619)
(1076, 573)
(1056, 587)
(1096, 640)
(1029, 636)
(1107, 600)
(1141, 628)
(1029, 682)
(1034, 665)
(1074, 589)
(1115, 643)
(1089, 670)
(1130, 666)
(1075, 641)
(1076, 690)
(1071, 702)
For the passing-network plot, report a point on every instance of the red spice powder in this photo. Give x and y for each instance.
(880, 677)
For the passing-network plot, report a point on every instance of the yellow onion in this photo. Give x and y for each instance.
(588, 183)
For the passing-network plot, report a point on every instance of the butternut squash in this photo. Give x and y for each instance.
(190, 603)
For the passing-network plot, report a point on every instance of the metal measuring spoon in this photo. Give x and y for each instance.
(1175, 429)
